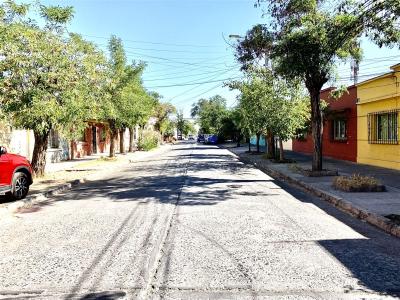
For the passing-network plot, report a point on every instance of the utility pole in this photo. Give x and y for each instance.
(355, 68)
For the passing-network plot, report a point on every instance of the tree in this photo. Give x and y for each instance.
(256, 91)
(180, 122)
(306, 38)
(291, 113)
(270, 104)
(134, 102)
(183, 126)
(188, 128)
(234, 126)
(112, 110)
(163, 112)
(91, 86)
(210, 113)
(43, 73)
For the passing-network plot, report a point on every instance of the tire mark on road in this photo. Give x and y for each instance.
(98, 259)
(160, 247)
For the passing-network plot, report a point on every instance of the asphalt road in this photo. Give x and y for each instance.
(193, 223)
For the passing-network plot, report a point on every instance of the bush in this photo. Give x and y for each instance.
(149, 140)
(358, 183)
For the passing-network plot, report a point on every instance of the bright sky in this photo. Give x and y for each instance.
(182, 42)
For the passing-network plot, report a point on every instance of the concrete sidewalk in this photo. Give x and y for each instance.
(363, 205)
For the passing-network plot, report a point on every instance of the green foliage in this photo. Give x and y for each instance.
(163, 112)
(169, 131)
(210, 113)
(180, 122)
(183, 126)
(56, 16)
(148, 140)
(52, 79)
(188, 128)
(270, 104)
(128, 104)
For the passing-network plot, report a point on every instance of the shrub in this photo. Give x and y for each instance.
(149, 140)
(358, 183)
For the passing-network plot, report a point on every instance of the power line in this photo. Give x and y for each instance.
(193, 88)
(188, 69)
(185, 76)
(186, 84)
(153, 43)
(201, 94)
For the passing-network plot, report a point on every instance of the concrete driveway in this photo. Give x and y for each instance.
(193, 223)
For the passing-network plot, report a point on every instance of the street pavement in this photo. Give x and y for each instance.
(193, 223)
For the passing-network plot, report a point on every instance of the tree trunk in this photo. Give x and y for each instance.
(72, 150)
(39, 153)
(249, 144)
(238, 140)
(271, 145)
(317, 128)
(121, 141)
(113, 136)
(258, 142)
(131, 139)
(281, 153)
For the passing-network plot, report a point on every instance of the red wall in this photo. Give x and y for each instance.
(344, 106)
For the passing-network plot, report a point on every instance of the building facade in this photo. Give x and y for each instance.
(339, 139)
(378, 120)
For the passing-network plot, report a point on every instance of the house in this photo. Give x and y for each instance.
(378, 120)
(339, 139)
(95, 139)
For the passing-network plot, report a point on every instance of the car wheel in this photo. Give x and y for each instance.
(20, 186)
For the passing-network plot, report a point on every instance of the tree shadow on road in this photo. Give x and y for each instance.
(162, 180)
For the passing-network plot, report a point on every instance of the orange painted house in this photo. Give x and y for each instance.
(95, 139)
(339, 139)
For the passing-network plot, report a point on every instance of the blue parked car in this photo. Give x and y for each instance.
(210, 139)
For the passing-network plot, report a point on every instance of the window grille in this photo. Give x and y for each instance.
(383, 127)
(339, 130)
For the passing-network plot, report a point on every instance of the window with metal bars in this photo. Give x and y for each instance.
(382, 127)
(339, 129)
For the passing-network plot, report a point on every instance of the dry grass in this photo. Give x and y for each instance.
(295, 168)
(107, 158)
(358, 183)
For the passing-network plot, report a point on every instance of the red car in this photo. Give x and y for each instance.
(15, 175)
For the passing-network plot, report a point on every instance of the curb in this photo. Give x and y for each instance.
(40, 197)
(360, 213)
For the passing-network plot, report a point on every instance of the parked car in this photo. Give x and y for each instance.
(190, 137)
(210, 139)
(15, 175)
(200, 138)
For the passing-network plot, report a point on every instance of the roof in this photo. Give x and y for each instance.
(395, 66)
(331, 88)
(375, 78)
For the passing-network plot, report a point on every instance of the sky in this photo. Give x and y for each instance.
(186, 43)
